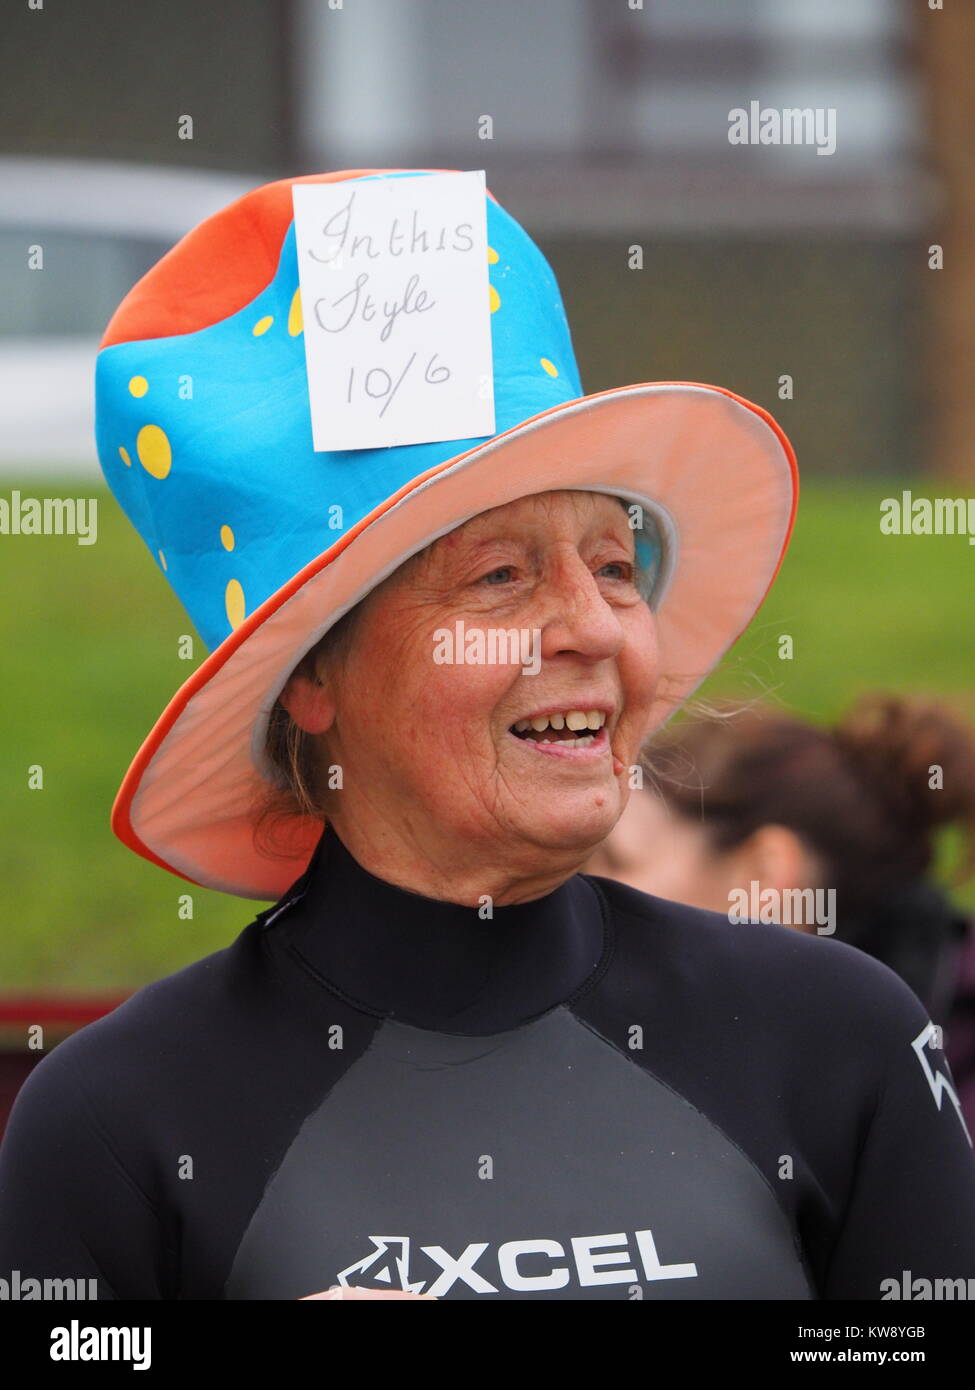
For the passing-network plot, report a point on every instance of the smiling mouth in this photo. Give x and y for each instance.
(575, 728)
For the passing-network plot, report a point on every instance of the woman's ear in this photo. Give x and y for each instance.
(776, 857)
(309, 701)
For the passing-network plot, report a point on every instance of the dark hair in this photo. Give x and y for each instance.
(300, 789)
(868, 797)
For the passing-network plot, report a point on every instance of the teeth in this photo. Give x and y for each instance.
(574, 719)
(583, 742)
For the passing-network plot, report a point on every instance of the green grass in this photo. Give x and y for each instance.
(90, 635)
(865, 610)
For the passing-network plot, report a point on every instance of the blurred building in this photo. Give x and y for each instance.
(608, 127)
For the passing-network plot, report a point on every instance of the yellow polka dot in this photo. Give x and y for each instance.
(495, 300)
(234, 603)
(550, 367)
(138, 386)
(227, 537)
(162, 560)
(153, 448)
(295, 320)
(262, 325)
(124, 456)
(493, 256)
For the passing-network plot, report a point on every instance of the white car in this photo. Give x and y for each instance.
(100, 226)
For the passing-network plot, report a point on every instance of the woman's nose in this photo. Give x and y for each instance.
(575, 615)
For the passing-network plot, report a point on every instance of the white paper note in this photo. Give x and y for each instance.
(393, 274)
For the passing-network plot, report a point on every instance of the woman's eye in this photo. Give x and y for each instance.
(623, 566)
(492, 577)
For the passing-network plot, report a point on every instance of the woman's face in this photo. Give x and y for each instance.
(660, 851)
(428, 747)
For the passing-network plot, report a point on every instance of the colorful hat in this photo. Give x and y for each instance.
(204, 435)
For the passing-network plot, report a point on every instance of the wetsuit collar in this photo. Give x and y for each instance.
(437, 964)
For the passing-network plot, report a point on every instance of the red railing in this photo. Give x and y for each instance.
(58, 1015)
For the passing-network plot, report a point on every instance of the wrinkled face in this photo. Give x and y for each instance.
(497, 687)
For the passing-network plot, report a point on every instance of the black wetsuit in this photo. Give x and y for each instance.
(596, 1095)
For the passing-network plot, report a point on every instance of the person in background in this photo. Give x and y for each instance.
(757, 797)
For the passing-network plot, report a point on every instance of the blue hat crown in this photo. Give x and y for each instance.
(205, 437)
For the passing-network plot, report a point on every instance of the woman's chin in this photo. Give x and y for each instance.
(576, 824)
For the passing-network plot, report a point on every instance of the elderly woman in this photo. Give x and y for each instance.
(445, 1063)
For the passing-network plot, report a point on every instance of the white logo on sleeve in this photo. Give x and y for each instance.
(937, 1080)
